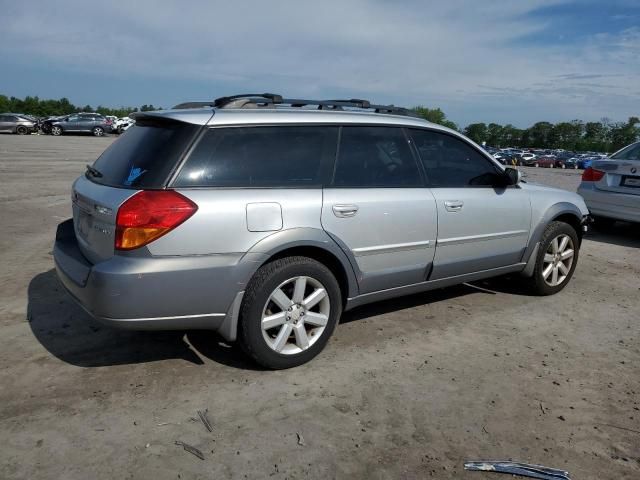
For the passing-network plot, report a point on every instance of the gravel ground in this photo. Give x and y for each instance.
(409, 388)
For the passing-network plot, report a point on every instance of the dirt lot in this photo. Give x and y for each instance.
(409, 388)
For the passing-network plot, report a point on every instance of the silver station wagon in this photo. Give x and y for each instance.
(264, 218)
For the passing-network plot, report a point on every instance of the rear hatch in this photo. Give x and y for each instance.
(622, 171)
(142, 158)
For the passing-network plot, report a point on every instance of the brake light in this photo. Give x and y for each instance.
(592, 175)
(150, 214)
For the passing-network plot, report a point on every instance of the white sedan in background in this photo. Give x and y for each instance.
(611, 187)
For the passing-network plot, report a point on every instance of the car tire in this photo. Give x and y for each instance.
(97, 131)
(290, 338)
(603, 223)
(575, 167)
(548, 276)
(563, 166)
(536, 164)
(56, 131)
(22, 130)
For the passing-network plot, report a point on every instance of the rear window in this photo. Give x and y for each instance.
(145, 155)
(632, 152)
(270, 156)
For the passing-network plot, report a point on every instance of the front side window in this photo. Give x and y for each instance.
(451, 162)
(271, 156)
(375, 157)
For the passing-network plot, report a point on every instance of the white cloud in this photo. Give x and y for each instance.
(465, 57)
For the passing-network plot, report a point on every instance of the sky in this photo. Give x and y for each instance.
(512, 61)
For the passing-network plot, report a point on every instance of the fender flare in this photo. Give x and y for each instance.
(553, 212)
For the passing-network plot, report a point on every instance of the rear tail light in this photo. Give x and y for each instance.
(150, 214)
(592, 175)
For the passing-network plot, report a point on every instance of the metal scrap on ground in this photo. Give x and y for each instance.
(515, 468)
(205, 419)
(190, 449)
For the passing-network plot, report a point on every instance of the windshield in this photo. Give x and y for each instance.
(145, 155)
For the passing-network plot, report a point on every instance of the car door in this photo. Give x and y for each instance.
(85, 123)
(71, 123)
(378, 210)
(4, 123)
(481, 226)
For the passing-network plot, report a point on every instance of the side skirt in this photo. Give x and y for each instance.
(430, 285)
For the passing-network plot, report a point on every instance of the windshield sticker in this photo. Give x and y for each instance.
(133, 175)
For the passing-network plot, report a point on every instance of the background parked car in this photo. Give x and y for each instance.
(585, 162)
(122, 124)
(93, 123)
(16, 123)
(611, 187)
(548, 161)
(571, 162)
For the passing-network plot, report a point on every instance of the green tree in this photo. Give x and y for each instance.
(477, 132)
(540, 134)
(434, 115)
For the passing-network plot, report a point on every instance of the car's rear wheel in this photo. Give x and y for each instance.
(289, 311)
(556, 259)
(97, 131)
(536, 164)
(55, 130)
(22, 130)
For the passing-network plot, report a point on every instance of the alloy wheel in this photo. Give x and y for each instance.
(558, 260)
(295, 315)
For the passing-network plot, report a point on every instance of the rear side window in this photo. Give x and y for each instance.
(451, 162)
(145, 155)
(277, 156)
(375, 157)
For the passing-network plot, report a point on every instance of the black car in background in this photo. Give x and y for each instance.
(93, 123)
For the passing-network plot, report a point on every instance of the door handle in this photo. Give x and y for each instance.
(453, 205)
(345, 211)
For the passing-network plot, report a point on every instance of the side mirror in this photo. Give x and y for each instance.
(513, 175)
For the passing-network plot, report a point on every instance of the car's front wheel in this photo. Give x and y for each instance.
(556, 259)
(289, 311)
(55, 130)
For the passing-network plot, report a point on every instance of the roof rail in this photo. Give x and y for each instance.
(252, 100)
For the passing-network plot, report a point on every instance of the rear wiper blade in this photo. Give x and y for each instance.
(94, 172)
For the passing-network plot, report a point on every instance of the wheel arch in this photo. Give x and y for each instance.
(563, 212)
(313, 243)
(308, 242)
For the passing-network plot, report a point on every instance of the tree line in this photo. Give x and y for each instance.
(47, 108)
(602, 136)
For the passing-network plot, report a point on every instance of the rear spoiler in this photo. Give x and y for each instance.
(196, 117)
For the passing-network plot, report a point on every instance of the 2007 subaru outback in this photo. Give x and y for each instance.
(265, 218)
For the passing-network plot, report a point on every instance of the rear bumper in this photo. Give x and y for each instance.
(155, 293)
(619, 206)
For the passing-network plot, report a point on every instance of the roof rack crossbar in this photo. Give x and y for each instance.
(269, 97)
(275, 99)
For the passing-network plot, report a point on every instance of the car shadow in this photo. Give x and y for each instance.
(621, 234)
(71, 335)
